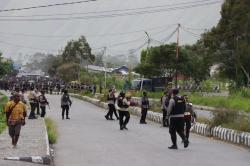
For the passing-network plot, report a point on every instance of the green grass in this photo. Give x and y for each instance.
(3, 125)
(238, 101)
(52, 130)
(153, 95)
(233, 102)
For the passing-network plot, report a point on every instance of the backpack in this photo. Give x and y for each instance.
(42, 99)
(179, 106)
(65, 98)
(120, 103)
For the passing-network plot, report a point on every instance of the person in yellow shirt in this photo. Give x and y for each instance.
(15, 114)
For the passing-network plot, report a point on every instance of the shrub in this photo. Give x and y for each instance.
(244, 92)
(231, 119)
(51, 129)
(3, 125)
(224, 117)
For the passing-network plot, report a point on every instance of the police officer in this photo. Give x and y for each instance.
(37, 102)
(65, 104)
(111, 105)
(123, 104)
(175, 113)
(43, 102)
(164, 106)
(33, 103)
(144, 108)
(189, 116)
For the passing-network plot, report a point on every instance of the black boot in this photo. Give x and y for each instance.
(173, 147)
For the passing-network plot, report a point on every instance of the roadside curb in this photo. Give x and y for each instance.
(33, 159)
(229, 135)
(45, 160)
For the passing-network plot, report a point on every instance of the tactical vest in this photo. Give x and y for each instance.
(179, 106)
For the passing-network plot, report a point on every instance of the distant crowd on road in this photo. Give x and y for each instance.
(16, 107)
(42, 84)
(177, 111)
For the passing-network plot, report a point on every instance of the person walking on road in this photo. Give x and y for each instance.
(15, 116)
(65, 104)
(33, 103)
(123, 104)
(164, 106)
(189, 117)
(144, 108)
(37, 102)
(175, 113)
(111, 105)
(43, 102)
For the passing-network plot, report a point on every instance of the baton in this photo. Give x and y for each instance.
(48, 106)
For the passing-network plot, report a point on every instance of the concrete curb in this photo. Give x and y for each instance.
(47, 139)
(33, 159)
(46, 160)
(229, 135)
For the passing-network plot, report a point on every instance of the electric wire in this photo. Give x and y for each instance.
(87, 36)
(45, 6)
(191, 33)
(29, 47)
(101, 12)
(118, 14)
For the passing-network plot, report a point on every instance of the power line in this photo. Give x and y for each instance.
(118, 14)
(105, 11)
(195, 28)
(87, 36)
(127, 42)
(22, 46)
(191, 33)
(169, 36)
(45, 6)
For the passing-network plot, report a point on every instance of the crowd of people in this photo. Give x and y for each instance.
(16, 107)
(49, 86)
(177, 111)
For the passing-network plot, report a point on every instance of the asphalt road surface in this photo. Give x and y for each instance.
(89, 139)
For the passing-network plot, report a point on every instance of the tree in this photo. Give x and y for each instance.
(99, 60)
(77, 50)
(158, 61)
(6, 67)
(68, 71)
(230, 41)
(54, 62)
(197, 62)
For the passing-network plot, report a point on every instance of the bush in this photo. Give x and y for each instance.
(51, 129)
(3, 125)
(224, 117)
(104, 97)
(231, 119)
(244, 92)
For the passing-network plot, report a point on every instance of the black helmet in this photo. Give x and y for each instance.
(122, 94)
(175, 91)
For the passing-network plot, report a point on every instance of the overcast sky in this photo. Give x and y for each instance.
(28, 37)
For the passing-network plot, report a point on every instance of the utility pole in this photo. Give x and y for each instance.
(177, 55)
(146, 55)
(105, 68)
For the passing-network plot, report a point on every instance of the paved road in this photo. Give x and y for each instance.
(88, 139)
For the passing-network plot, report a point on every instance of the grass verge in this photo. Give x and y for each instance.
(52, 130)
(228, 119)
(3, 125)
(237, 101)
(233, 102)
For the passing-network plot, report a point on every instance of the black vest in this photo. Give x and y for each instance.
(179, 106)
